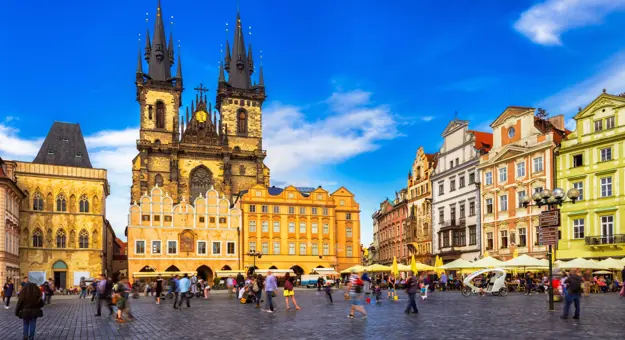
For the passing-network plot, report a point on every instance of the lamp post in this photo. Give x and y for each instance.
(254, 254)
(551, 199)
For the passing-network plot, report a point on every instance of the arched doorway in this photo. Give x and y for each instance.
(273, 267)
(172, 268)
(226, 267)
(147, 269)
(319, 267)
(251, 270)
(299, 271)
(59, 268)
(205, 273)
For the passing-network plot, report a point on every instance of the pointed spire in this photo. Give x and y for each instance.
(170, 48)
(179, 68)
(227, 59)
(159, 65)
(261, 78)
(222, 77)
(148, 45)
(250, 60)
(187, 116)
(239, 76)
(139, 64)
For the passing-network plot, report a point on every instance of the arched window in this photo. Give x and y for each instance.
(61, 203)
(242, 121)
(160, 115)
(159, 180)
(61, 239)
(38, 201)
(84, 204)
(201, 181)
(83, 239)
(37, 238)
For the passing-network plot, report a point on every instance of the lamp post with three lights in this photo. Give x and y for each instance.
(254, 254)
(553, 200)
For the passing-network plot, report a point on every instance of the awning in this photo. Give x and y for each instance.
(325, 271)
(163, 274)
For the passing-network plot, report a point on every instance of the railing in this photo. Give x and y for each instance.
(598, 240)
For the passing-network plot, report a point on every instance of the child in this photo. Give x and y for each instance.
(424, 292)
(378, 293)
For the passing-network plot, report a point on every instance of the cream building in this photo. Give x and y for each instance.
(10, 200)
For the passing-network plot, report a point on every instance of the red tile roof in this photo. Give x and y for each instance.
(483, 140)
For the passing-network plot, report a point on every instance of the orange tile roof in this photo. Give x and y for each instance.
(483, 140)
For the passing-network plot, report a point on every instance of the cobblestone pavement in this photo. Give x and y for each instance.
(442, 316)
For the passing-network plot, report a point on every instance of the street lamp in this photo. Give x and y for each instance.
(551, 199)
(254, 254)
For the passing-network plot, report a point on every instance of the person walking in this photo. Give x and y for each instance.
(367, 282)
(83, 288)
(29, 304)
(119, 299)
(289, 291)
(529, 283)
(184, 285)
(8, 292)
(176, 290)
(573, 294)
(271, 289)
(355, 289)
(104, 290)
(412, 287)
(158, 287)
(257, 288)
(444, 281)
(391, 288)
(48, 290)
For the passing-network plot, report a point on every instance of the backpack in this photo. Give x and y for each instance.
(574, 285)
(288, 285)
(255, 287)
(359, 284)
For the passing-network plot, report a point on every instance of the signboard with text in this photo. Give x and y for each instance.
(550, 218)
(548, 236)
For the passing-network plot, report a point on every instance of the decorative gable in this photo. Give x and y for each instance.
(510, 112)
(454, 125)
(602, 101)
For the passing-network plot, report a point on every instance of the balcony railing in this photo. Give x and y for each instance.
(599, 240)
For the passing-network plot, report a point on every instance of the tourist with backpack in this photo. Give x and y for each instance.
(573, 294)
(355, 288)
(412, 287)
(289, 291)
(257, 288)
(29, 304)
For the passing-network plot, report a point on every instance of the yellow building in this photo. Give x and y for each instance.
(10, 200)
(168, 237)
(64, 234)
(591, 160)
(300, 229)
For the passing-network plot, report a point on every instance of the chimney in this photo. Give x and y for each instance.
(557, 122)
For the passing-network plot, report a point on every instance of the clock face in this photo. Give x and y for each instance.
(201, 116)
(511, 132)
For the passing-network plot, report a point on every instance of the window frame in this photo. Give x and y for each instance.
(486, 206)
(197, 247)
(177, 249)
(213, 248)
(605, 154)
(488, 178)
(609, 186)
(503, 172)
(520, 166)
(503, 203)
(136, 244)
(576, 228)
(577, 160)
(160, 246)
(249, 226)
(234, 247)
(541, 163)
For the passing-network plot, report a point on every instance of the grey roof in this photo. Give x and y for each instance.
(240, 66)
(159, 56)
(64, 145)
(275, 191)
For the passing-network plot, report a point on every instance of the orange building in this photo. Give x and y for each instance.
(519, 164)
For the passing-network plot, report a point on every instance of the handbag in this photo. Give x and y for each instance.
(273, 294)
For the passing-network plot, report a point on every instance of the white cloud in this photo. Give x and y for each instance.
(545, 22)
(427, 118)
(15, 147)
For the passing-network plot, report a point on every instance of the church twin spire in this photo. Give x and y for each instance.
(239, 64)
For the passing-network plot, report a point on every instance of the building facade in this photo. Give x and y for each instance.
(592, 160)
(11, 197)
(300, 229)
(64, 233)
(120, 258)
(201, 238)
(418, 235)
(520, 163)
(455, 197)
(391, 221)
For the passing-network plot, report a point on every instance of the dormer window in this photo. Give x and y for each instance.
(50, 152)
(78, 155)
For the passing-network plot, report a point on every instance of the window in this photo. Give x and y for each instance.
(201, 247)
(462, 211)
(451, 164)
(276, 209)
(348, 216)
(37, 239)
(302, 211)
(538, 164)
(252, 246)
(503, 175)
(302, 228)
(348, 231)
(291, 210)
(519, 197)
(156, 247)
(489, 178)
(503, 203)
(230, 250)
(314, 211)
(489, 205)
(264, 227)
(258, 193)
(265, 248)
(326, 228)
(348, 251)
(291, 227)
(452, 185)
(139, 247)
(441, 215)
(461, 180)
(315, 249)
(460, 238)
(252, 226)
(302, 248)
(520, 169)
(522, 237)
(325, 211)
(578, 228)
(319, 197)
(84, 204)
(202, 219)
(342, 203)
(441, 188)
(453, 214)
(538, 190)
(537, 236)
(264, 209)
(216, 248)
(445, 239)
(61, 203)
(578, 160)
(489, 241)
(471, 178)
(607, 229)
(83, 239)
(580, 187)
(242, 122)
(172, 247)
(315, 228)
(606, 154)
(201, 182)
(472, 208)
(276, 227)
(326, 249)
(291, 248)
(160, 115)
(606, 187)
(598, 125)
(61, 239)
(252, 208)
(472, 236)
(37, 202)
(609, 123)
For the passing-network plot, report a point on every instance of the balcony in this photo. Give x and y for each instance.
(597, 241)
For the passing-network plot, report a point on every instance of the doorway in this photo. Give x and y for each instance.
(60, 279)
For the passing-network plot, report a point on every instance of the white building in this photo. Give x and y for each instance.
(455, 199)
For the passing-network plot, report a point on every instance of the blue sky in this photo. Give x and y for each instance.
(354, 87)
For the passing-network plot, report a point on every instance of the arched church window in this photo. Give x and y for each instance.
(242, 121)
(201, 181)
(38, 238)
(84, 204)
(160, 115)
(61, 203)
(83, 239)
(38, 201)
(159, 180)
(61, 239)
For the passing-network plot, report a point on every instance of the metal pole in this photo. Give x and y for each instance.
(551, 307)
